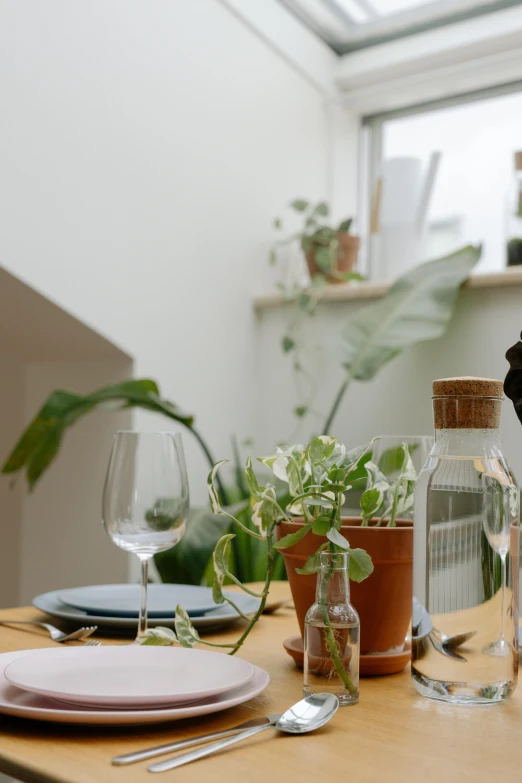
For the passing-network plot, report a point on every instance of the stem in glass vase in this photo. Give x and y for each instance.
(142, 622)
(502, 595)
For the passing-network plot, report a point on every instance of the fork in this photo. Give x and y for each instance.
(55, 633)
(92, 643)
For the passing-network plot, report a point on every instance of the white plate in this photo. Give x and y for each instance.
(14, 701)
(223, 615)
(124, 600)
(128, 677)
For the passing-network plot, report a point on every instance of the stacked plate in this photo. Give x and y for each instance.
(116, 606)
(125, 684)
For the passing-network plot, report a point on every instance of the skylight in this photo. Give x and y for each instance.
(346, 25)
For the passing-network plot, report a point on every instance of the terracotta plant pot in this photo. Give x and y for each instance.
(346, 257)
(383, 600)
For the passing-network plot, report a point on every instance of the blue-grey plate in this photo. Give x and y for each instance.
(123, 600)
(223, 615)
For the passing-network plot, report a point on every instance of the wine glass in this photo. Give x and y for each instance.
(500, 503)
(146, 498)
(387, 453)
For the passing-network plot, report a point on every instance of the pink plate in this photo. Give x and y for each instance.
(128, 676)
(29, 705)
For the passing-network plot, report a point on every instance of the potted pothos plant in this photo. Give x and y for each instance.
(311, 522)
(330, 250)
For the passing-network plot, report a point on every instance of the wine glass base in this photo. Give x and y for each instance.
(499, 649)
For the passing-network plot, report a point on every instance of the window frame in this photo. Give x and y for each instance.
(371, 146)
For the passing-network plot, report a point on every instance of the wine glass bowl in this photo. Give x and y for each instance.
(146, 498)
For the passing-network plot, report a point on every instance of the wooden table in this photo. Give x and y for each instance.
(391, 735)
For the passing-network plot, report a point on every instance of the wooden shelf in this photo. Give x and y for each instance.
(346, 292)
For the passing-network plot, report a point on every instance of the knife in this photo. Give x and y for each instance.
(159, 750)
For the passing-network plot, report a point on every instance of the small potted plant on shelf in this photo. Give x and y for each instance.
(330, 250)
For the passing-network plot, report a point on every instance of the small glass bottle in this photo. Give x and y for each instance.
(331, 637)
(466, 552)
(514, 216)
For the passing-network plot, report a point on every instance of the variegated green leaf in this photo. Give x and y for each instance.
(212, 491)
(220, 559)
(251, 480)
(159, 637)
(185, 631)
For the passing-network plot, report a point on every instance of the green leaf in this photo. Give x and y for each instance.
(336, 538)
(287, 344)
(159, 637)
(251, 480)
(212, 491)
(322, 209)
(220, 557)
(185, 631)
(272, 258)
(360, 565)
(313, 563)
(293, 538)
(324, 260)
(418, 307)
(391, 460)
(40, 442)
(345, 225)
(321, 526)
(278, 223)
(300, 411)
(306, 303)
(299, 204)
(320, 448)
(371, 501)
(264, 512)
(188, 561)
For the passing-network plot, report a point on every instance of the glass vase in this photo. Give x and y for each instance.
(331, 638)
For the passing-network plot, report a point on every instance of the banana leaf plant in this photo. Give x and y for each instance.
(417, 307)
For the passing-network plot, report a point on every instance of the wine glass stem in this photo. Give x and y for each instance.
(142, 622)
(503, 588)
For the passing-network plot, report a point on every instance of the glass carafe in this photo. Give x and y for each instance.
(331, 638)
(466, 552)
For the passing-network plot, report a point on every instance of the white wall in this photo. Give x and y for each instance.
(62, 540)
(398, 401)
(11, 498)
(144, 149)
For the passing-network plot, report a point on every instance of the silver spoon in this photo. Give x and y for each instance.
(307, 715)
(456, 640)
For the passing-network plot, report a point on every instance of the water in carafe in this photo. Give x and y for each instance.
(466, 548)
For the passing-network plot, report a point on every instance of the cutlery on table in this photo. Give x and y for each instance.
(273, 606)
(92, 643)
(55, 633)
(457, 640)
(307, 715)
(160, 750)
(449, 652)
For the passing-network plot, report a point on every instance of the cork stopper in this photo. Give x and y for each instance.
(518, 160)
(467, 403)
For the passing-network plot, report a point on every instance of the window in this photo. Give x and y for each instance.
(346, 25)
(477, 139)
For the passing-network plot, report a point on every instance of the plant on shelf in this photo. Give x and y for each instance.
(330, 251)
